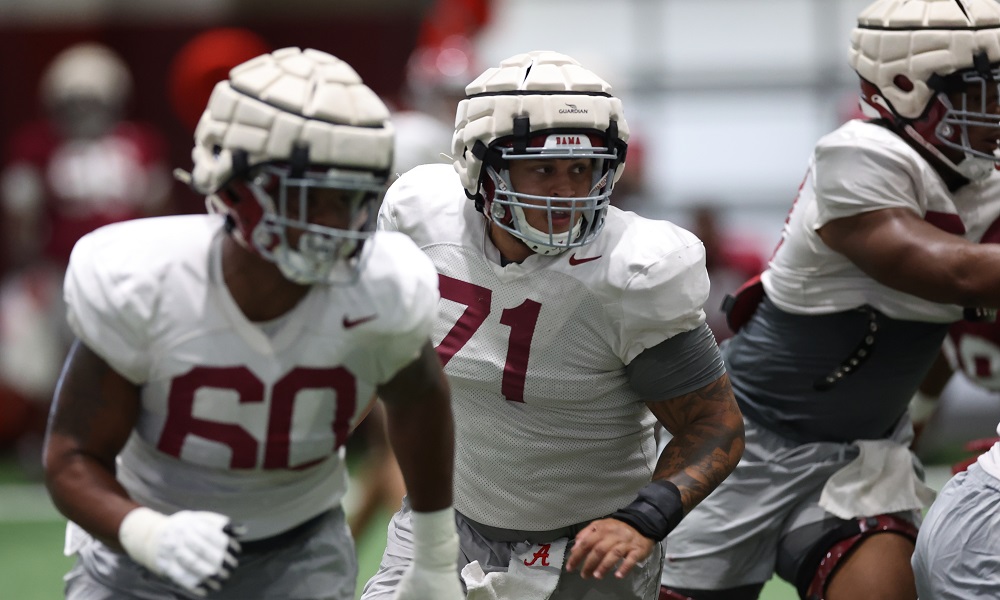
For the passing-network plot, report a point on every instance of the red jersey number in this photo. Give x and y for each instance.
(521, 320)
(181, 421)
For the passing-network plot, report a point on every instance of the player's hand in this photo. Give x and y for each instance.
(195, 550)
(978, 446)
(434, 571)
(606, 543)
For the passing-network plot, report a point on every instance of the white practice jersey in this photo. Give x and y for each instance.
(548, 431)
(235, 418)
(858, 168)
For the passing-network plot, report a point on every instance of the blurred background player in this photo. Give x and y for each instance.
(436, 76)
(969, 357)
(81, 166)
(223, 360)
(879, 255)
(730, 260)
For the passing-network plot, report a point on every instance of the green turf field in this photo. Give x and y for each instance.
(31, 541)
(33, 564)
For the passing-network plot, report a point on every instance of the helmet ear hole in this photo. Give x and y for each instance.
(903, 83)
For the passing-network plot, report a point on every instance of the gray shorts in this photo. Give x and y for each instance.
(958, 548)
(642, 583)
(764, 518)
(317, 564)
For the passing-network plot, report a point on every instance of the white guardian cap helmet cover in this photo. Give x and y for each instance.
(282, 124)
(539, 105)
(911, 54)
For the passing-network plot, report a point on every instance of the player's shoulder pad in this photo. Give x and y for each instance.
(424, 203)
(860, 142)
(126, 267)
(399, 283)
(648, 253)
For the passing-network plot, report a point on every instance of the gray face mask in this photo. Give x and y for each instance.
(322, 254)
(974, 110)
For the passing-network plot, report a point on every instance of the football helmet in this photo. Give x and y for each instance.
(283, 126)
(539, 105)
(85, 89)
(916, 57)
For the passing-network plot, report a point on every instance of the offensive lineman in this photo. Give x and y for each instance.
(196, 441)
(878, 257)
(563, 322)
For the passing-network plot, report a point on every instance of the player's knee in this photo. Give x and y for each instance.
(815, 573)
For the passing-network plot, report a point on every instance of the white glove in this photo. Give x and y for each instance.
(922, 406)
(195, 550)
(434, 572)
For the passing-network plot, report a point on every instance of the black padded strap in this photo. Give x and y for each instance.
(656, 510)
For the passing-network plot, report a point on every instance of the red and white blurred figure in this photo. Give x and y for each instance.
(78, 168)
(83, 165)
(730, 259)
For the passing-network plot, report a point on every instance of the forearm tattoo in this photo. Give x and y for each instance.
(708, 439)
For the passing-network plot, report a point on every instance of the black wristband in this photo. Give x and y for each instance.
(656, 510)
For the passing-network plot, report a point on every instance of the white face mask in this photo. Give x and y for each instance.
(541, 242)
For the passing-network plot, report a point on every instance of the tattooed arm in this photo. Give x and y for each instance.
(708, 440)
(93, 413)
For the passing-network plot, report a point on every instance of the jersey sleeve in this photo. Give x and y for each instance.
(855, 178)
(406, 199)
(665, 298)
(414, 306)
(387, 212)
(108, 307)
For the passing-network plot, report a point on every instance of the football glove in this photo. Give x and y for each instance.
(195, 550)
(434, 571)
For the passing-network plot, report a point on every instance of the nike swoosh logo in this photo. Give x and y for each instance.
(348, 323)
(573, 260)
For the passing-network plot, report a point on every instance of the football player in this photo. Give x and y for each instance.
(879, 255)
(567, 328)
(957, 543)
(222, 360)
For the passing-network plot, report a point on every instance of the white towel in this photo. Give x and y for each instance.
(76, 538)
(533, 574)
(881, 480)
